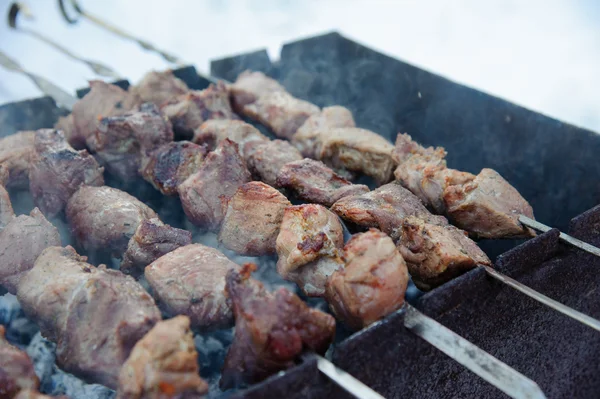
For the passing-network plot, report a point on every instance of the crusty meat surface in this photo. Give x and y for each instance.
(315, 182)
(6, 210)
(21, 242)
(266, 158)
(249, 86)
(406, 147)
(164, 363)
(171, 164)
(329, 117)
(205, 194)
(191, 281)
(436, 254)
(212, 132)
(158, 87)
(16, 369)
(66, 125)
(252, 220)
(15, 154)
(152, 239)
(309, 246)
(271, 330)
(121, 142)
(105, 218)
(373, 282)
(57, 171)
(94, 315)
(488, 207)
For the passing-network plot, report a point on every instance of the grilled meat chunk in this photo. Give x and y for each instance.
(266, 158)
(205, 194)
(104, 218)
(249, 86)
(315, 182)
(6, 210)
(171, 164)
(120, 142)
(406, 147)
(94, 315)
(373, 282)
(329, 117)
(163, 363)
(212, 132)
(488, 207)
(15, 155)
(21, 242)
(66, 125)
(33, 394)
(252, 220)
(57, 171)
(158, 87)
(191, 281)
(271, 330)
(152, 239)
(436, 254)
(309, 247)
(16, 369)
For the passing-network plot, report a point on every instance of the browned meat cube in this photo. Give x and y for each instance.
(6, 210)
(406, 147)
(105, 218)
(171, 164)
(249, 86)
(212, 132)
(57, 171)
(15, 155)
(384, 208)
(488, 207)
(205, 194)
(253, 218)
(120, 142)
(191, 281)
(271, 330)
(188, 111)
(163, 363)
(21, 242)
(329, 117)
(266, 158)
(66, 125)
(16, 369)
(158, 87)
(309, 246)
(373, 282)
(436, 254)
(152, 239)
(94, 315)
(315, 182)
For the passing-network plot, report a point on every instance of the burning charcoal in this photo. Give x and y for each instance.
(16, 369)
(191, 281)
(163, 363)
(488, 207)
(252, 221)
(249, 86)
(205, 194)
(171, 164)
(57, 171)
(271, 330)
(329, 117)
(315, 182)
(6, 210)
(94, 315)
(373, 282)
(266, 158)
(120, 142)
(21, 242)
(212, 132)
(309, 247)
(15, 154)
(158, 87)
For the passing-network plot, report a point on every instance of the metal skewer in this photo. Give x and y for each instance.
(345, 380)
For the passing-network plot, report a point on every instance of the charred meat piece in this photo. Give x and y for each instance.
(315, 182)
(104, 218)
(57, 171)
(6, 210)
(271, 330)
(436, 254)
(309, 246)
(120, 142)
(171, 164)
(152, 239)
(329, 117)
(94, 315)
(158, 87)
(373, 282)
(15, 155)
(16, 369)
(488, 207)
(205, 194)
(266, 158)
(188, 111)
(249, 86)
(212, 132)
(253, 218)
(385, 209)
(191, 281)
(21, 242)
(163, 363)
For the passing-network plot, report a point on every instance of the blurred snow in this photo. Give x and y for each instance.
(543, 54)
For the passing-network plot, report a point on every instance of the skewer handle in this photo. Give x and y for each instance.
(345, 380)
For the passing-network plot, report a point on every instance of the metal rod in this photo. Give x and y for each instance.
(345, 380)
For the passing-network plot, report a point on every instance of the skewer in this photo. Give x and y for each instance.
(345, 380)
(13, 13)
